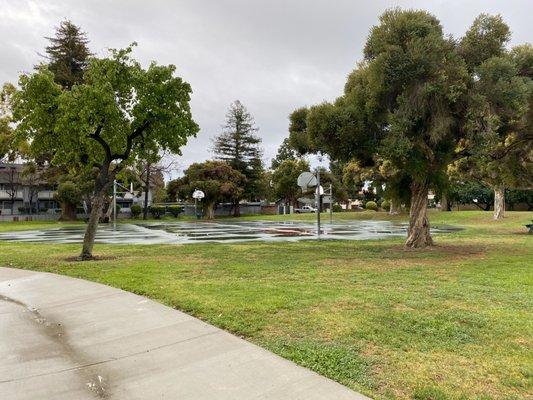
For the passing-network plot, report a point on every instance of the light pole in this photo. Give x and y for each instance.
(330, 203)
(114, 204)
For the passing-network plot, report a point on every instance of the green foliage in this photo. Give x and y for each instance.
(299, 140)
(175, 211)
(385, 204)
(371, 205)
(285, 152)
(337, 208)
(119, 113)
(486, 38)
(238, 145)
(68, 54)
(157, 211)
(68, 192)
(136, 210)
(470, 192)
(217, 179)
(284, 179)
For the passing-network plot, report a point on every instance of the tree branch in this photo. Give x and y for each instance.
(96, 136)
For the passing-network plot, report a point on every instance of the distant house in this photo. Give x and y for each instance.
(22, 195)
(25, 194)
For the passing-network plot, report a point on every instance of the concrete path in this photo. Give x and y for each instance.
(66, 338)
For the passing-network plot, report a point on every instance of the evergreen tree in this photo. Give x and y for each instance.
(238, 145)
(68, 54)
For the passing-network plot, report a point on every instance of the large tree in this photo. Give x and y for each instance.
(404, 104)
(118, 114)
(68, 54)
(503, 89)
(285, 152)
(217, 179)
(238, 145)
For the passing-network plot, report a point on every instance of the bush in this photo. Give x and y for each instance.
(385, 205)
(337, 208)
(135, 210)
(371, 205)
(175, 210)
(157, 211)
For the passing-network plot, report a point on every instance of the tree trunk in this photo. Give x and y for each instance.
(499, 202)
(236, 209)
(444, 204)
(394, 207)
(210, 210)
(97, 204)
(146, 190)
(68, 212)
(418, 235)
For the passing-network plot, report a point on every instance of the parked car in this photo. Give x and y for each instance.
(305, 209)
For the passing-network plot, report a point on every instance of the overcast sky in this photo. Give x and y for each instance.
(272, 55)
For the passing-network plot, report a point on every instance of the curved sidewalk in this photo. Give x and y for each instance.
(65, 338)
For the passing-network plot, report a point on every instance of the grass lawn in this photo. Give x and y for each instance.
(452, 322)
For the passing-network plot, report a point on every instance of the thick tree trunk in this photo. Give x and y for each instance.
(210, 211)
(97, 204)
(68, 212)
(418, 235)
(499, 202)
(394, 207)
(146, 191)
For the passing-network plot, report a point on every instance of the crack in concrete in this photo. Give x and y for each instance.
(55, 332)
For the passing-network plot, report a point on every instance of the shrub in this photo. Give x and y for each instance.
(135, 210)
(157, 211)
(371, 205)
(337, 208)
(385, 205)
(175, 210)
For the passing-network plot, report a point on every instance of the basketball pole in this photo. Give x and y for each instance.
(317, 196)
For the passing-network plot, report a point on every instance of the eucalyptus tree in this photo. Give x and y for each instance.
(119, 113)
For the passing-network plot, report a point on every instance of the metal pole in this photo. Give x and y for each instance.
(114, 204)
(330, 203)
(195, 212)
(318, 202)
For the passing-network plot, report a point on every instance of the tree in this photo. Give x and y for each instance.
(403, 104)
(12, 186)
(284, 179)
(217, 179)
(238, 145)
(68, 54)
(8, 152)
(503, 87)
(471, 192)
(285, 152)
(68, 195)
(120, 113)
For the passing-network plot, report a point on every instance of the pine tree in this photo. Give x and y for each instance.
(68, 54)
(238, 145)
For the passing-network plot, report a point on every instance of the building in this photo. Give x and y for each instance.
(22, 193)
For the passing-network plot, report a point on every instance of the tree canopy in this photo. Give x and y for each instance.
(121, 112)
(68, 54)
(217, 179)
(238, 145)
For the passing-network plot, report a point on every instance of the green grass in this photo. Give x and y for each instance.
(452, 322)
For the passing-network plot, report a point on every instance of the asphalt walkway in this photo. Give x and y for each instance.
(65, 338)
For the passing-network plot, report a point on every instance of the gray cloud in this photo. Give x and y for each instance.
(273, 55)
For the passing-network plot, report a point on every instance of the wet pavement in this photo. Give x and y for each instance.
(63, 338)
(181, 232)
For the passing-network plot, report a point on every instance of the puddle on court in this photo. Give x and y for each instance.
(216, 231)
